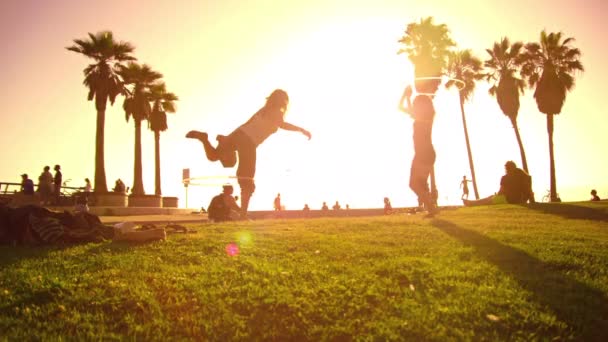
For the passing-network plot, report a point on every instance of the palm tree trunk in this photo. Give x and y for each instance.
(470, 154)
(100, 170)
(434, 192)
(524, 163)
(138, 186)
(157, 190)
(553, 185)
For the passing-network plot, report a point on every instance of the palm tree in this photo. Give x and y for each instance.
(550, 67)
(164, 102)
(504, 67)
(427, 45)
(462, 65)
(137, 105)
(103, 83)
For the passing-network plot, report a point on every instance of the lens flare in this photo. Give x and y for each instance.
(232, 249)
(244, 238)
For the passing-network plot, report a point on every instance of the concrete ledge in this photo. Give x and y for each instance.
(130, 211)
(154, 201)
(289, 214)
(20, 199)
(109, 199)
(170, 202)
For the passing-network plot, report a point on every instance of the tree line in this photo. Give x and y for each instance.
(145, 98)
(548, 67)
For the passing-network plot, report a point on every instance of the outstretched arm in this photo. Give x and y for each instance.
(407, 94)
(290, 127)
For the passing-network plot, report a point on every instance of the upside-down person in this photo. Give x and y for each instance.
(246, 138)
(423, 113)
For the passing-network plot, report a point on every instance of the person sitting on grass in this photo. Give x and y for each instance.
(515, 188)
(594, 196)
(223, 207)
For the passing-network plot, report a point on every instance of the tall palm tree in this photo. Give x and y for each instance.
(550, 67)
(504, 66)
(163, 103)
(104, 84)
(464, 66)
(137, 105)
(427, 45)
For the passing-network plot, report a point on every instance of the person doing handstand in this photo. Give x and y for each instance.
(246, 138)
(423, 113)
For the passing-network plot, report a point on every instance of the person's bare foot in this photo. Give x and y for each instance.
(197, 135)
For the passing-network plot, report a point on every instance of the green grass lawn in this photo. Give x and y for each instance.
(486, 273)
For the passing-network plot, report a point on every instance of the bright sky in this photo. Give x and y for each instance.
(336, 59)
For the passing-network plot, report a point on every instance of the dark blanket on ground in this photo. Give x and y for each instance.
(35, 225)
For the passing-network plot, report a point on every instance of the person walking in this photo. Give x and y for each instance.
(465, 188)
(277, 203)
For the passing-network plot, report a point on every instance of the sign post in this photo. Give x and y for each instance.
(186, 181)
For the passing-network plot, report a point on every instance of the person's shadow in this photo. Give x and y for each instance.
(583, 308)
(571, 211)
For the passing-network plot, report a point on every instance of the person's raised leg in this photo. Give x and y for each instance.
(210, 151)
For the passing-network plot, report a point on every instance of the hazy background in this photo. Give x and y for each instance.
(338, 62)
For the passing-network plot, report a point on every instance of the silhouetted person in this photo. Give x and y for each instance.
(277, 202)
(465, 187)
(246, 138)
(306, 207)
(57, 179)
(515, 188)
(223, 207)
(594, 196)
(87, 185)
(27, 185)
(423, 113)
(82, 204)
(119, 186)
(336, 206)
(324, 206)
(388, 208)
(45, 185)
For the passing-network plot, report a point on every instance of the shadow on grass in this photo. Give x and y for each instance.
(11, 255)
(571, 211)
(583, 308)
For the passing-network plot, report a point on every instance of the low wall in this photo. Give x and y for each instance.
(109, 199)
(154, 201)
(289, 214)
(20, 199)
(170, 202)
